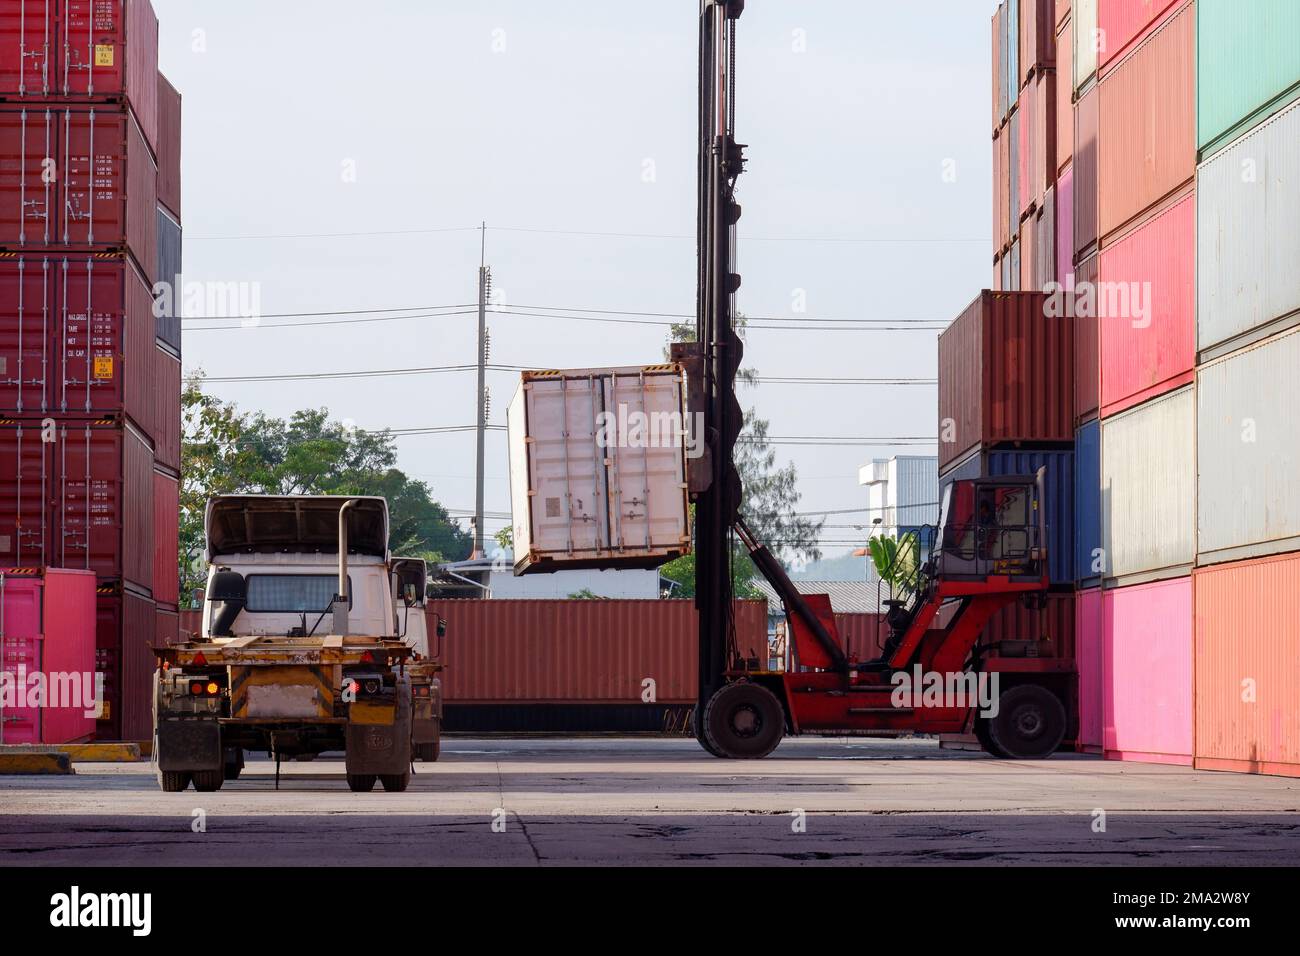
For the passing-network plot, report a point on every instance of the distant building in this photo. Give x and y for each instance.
(486, 578)
(903, 492)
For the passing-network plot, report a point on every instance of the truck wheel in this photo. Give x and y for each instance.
(744, 721)
(395, 782)
(208, 781)
(428, 752)
(361, 782)
(1030, 723)
(234, 765)
(982, 735)
(173, 781)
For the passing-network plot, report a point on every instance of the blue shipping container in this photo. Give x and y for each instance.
(1087, 503)
(1059, 492)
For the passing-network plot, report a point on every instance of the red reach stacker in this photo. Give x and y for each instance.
(989, 550)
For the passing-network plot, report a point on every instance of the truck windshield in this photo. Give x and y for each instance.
(292, 593)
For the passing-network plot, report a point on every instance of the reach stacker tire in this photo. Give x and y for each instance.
(428, 752)
(744, 721)
(1030, 723)
(361, 782)
(173, 781)
(209, 781)
(395, 782)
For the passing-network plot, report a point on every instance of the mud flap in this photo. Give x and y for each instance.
(189, 745)
(375, 746)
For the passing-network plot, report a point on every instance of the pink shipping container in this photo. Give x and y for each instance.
(1142, 357)
(1006, 374)
(539, 651)
(169, 147)
(166, 518)
(1002, 189)
(1147, 663)
(47, 626)
(165, 420)
(125, 627)
(1065, 225)
(104, 196)
(83, 499)
(1028, 250)
(1123, 21)
(1086, 131)
(998, 204)
(76, 336)
(1043, 157)
(1045, 240)
(1062, 11)
(81, 50)
(1248, 665)
(1064, 96)
(1089, 659)
(1025, 151)
(1148, 123)
(1087, 375)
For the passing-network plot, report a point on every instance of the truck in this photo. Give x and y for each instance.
(313, 639)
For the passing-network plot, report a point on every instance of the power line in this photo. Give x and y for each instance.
(254, 322)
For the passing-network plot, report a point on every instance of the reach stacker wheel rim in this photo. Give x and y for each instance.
(1030, 723)
(744, 721)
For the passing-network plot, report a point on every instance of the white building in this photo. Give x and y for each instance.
(903, 492)
(486, 578)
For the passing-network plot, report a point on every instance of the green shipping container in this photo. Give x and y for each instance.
(1248, 65)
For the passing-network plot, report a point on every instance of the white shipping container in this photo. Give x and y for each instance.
(598, 468)
(1086, 40)
(1247, 240)
(1248, 452)
(1148, 487)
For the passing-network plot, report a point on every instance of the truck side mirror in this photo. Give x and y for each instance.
(228, 593)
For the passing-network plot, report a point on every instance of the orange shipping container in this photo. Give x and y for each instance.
(1248, 666)
(1148, 123)
(1006, 374)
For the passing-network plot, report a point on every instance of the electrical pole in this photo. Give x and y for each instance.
(484, 293)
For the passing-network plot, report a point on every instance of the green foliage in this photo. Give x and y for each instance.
(226, 451)
(896, 560)
(505, 538)
(586, 594)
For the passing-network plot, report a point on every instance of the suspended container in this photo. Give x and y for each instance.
(598, 468)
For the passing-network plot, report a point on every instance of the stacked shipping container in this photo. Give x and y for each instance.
(89, 376)
(1176, 198)
(1247, 577)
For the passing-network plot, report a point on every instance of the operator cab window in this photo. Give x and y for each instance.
(292, 593)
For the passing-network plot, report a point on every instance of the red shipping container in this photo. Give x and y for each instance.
(125, 625)
(1064, 95)
(1148, 123)
(1123, 21)
(166, 518)
(1006, 374)
(1089, 658)
(76, 336)
(48, 629)
(539, 651)
(1013, 630)
(1145, 356)
(1147, 663)
(1248, 665)
(81, 50)
(1037, 36)
(1086, 127)
(82, 499)
(167, 626)
(78, 178)
(165, 420)
(169, 147)
(191, 623)
(1087, 376)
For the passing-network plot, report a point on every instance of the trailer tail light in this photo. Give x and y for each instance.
(421, 692)
(201, 688)
(367, 657)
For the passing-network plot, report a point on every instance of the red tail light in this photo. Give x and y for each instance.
(196, 688)
(367, 658)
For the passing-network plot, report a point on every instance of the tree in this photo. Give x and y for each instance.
(225, 451)
(768, 501)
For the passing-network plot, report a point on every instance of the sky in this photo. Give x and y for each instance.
(340, 157)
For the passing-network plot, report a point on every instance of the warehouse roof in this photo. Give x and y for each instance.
(847, 597)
